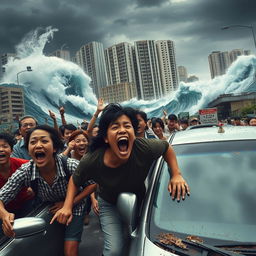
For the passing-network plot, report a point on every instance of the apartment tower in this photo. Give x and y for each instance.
(167, 66)
(147, 69)
(91, 58)
(219, 63)
(183, 74)
(11, 104)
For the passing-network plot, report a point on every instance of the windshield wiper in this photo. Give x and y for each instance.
(209, 247)
(204, 247)
(244, 248)
(172, 248)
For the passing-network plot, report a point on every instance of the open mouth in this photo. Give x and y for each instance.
(39, 155)
(123, 145)
(2, 155)
(81, 150)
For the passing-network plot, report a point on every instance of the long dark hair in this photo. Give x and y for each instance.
(111, 113)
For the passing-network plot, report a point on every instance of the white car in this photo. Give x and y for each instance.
(219, 216)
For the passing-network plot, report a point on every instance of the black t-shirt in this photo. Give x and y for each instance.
(128, 177)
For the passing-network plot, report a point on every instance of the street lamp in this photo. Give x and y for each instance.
(243, 26)
(28, 69)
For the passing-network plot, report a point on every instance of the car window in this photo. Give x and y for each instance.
(222, 204)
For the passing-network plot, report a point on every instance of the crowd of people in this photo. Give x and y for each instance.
(77, 169)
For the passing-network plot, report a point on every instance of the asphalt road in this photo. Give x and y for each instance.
(92, 238)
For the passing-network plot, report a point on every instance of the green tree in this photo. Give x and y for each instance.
(248, 110)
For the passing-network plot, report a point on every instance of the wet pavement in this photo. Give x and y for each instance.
(92, 238)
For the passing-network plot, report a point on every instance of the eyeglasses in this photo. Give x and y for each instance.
(25, 125)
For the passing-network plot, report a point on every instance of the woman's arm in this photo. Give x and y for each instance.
(64, 215)
(177, 185)
(100, 107)
(69, 148)
(86, 191)
(8, 220)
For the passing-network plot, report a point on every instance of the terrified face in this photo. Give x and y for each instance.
(158, 130)
(41, 149)
(26, 124)
(120, 137)
(67, 134)
(5, 152)
(81, 144)
(141, 127)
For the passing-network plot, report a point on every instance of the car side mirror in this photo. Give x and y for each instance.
(127, 207)
(29, 226)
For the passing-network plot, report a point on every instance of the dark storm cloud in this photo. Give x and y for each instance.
(143, 3)
(78, 22)
(190, 23)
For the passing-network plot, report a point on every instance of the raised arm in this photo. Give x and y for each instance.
(164, 117)
(177, 186)
(100, 107)
(62, 115)
(53, 117)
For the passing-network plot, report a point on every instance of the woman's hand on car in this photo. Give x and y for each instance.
(7, 224)
(178, 187)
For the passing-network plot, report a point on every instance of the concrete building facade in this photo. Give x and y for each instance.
(167, 66)
(234, 54)
(118, 92)
(4, 60)
(119, 64)
(230, 105)
(183, 74)
(63, 54)
(219, 63)
(11, 104)
(91, 58)
(147, 67)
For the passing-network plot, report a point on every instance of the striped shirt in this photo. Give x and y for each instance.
(47, 193)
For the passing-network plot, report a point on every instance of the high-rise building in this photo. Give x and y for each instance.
(11, 104)
(118, 92)
(234, 54)
(219, 63)
(167, 66)
(91, 58)
(63, 54)
(183, 74)
(4, 60)
(119, 64)
(147, 69)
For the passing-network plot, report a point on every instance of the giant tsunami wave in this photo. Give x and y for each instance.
(55, 82)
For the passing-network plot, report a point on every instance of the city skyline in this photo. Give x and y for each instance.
(194, 25)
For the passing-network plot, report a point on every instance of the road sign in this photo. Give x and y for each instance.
(208, 116)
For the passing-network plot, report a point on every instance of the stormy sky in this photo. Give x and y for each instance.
(193, 25)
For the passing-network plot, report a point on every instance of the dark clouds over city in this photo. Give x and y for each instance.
(194, 25)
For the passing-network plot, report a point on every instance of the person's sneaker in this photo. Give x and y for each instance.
(86, 219)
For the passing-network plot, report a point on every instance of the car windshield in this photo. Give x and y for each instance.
(222, 204)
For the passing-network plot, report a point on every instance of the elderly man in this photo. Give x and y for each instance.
(25, 124)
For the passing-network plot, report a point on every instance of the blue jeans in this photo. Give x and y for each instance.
(116, 237)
